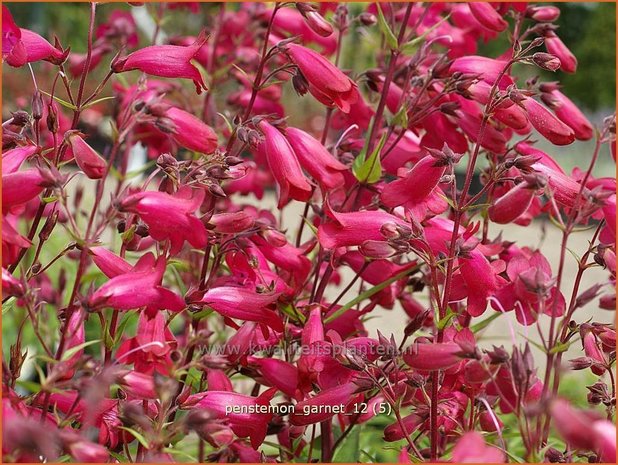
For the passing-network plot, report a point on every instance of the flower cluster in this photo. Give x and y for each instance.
(198, 231)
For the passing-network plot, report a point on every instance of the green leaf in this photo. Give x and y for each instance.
(121, 458)
(349, 450)
(138, 436)
(560, 347)
(99, 100)
(483, 324)
(410, 47)
(368, 293)
(401, 117)
(9, 305)
(64, 103)
(445, 321)
(370, 170)
(126, 319)
(389, 35)
(73, 350)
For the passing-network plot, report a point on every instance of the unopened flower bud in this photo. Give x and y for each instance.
(49, 225)
(274, 237)
(580, 363)
(554, 456)
(167, 161)
(301, 86)
(544, 14)
(368, 19)
(37, 106)
(217, 190)
(546, 61)
(52, 119)
(20, 118)
(376, 249)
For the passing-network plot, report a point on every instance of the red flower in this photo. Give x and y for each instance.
(140, 287)
(191, 132)
(171, 61)
(326, 82)
(291, 182)
(89, 161)
(21, 46)
(315, 159)
(170, 217)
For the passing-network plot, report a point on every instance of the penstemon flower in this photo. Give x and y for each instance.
(200, 264)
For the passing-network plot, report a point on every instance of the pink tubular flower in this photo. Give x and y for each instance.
(88, 160)
(21, 46)
(291, 182)
(141, 287)
(471, 448)
(429, 357)
(277, 373)
(575, 427)
(354, 228)
(481, 280)
(327, 83)
(139, 385)
(543, 13)
(555, 46)
(416, 186)
(13, 159)
(243, 304)
(170, 216)
(149, 351)
(11, 285)
(110, 264)
(569, 114)
(322, 406)
(191, 132)
(547, 124)
(488, 16)
(515, 202)
(20, 187)
(171, 61)
(488, 69)
(395, 432)
(247, 416)
(12, 241)
(563, 188)
(315, 159)
(527, 271)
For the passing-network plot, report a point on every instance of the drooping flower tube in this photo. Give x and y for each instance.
(170, 61)
(315, 159)
(326, 82)
(354, 228)
(247, 416)
(170, 217)
(140, 287)
(243, 304)
(291, 182)
(21, 46)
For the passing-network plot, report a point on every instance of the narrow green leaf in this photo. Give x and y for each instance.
(126, 319)
(64, 103)
(73, 350)
(391, 40)
(99, 100)
(370, 171)
(9, 305)
(141, 439)
(483, 324)
(410, 47)
(368, 293)
(445, 321)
